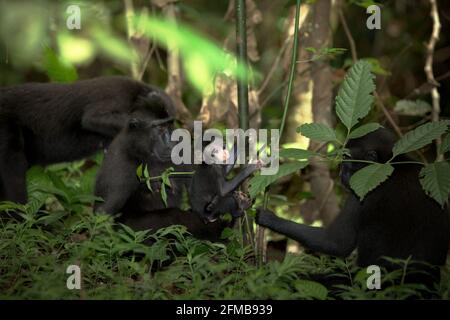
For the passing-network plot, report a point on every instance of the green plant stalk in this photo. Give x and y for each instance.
(241, 48)
(242, 94)
(170, 174)
(293, 67)
(260, 231)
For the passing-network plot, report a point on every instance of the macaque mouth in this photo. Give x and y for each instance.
(210, 219)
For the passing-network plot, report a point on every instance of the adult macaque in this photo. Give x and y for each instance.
(396, 219)
(45, 123)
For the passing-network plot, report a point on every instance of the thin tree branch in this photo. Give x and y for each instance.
(275, 66)
(349, 35)
(435, 97)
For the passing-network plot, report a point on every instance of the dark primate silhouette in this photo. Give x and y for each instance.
(210, 194)
(396, 219)
(44, 123)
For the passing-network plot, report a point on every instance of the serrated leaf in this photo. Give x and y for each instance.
(260, 182)
(317, 131)
(311, 289)
(299, 154)
(445, 146)
(412, 108)
(435, 181)
(364, 129)
(368, 178)
(419, 137)
(354, 99)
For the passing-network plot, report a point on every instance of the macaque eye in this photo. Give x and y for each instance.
(372, 155)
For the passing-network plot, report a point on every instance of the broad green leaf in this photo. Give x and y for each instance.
(354, 99)
(299, 154)
(445, 146)
(311, 289)
(412, 108)
(317, 131)
(363, 130)
(368, 178)
(419, 137)
(57, 69)
(260, 182)
(435, 181)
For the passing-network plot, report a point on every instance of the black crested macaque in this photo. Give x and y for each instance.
(210, 193)
(396, 219)
(144, 141)
(45, 123)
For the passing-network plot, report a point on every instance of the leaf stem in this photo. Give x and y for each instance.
(170, 174)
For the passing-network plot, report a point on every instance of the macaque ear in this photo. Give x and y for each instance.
(134, 123)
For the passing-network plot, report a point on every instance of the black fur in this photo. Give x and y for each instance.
(144, 141)
(44, 123)
(210, 194)
(397, 219)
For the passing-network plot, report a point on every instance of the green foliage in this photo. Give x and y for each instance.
(365, 3)
(354, 99)
(202, 58)
(419, 137)
(311, 289)
(325, 52)
(435, 180)
(260, 182)
(317, 131)
(57, 69)
(165, 182)
(164, 179)
(368, 178)
(298, 154)
(363, 130)
(445, 146)
(353, 102)
(113, 46)
(376, 67)
(118, 263)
